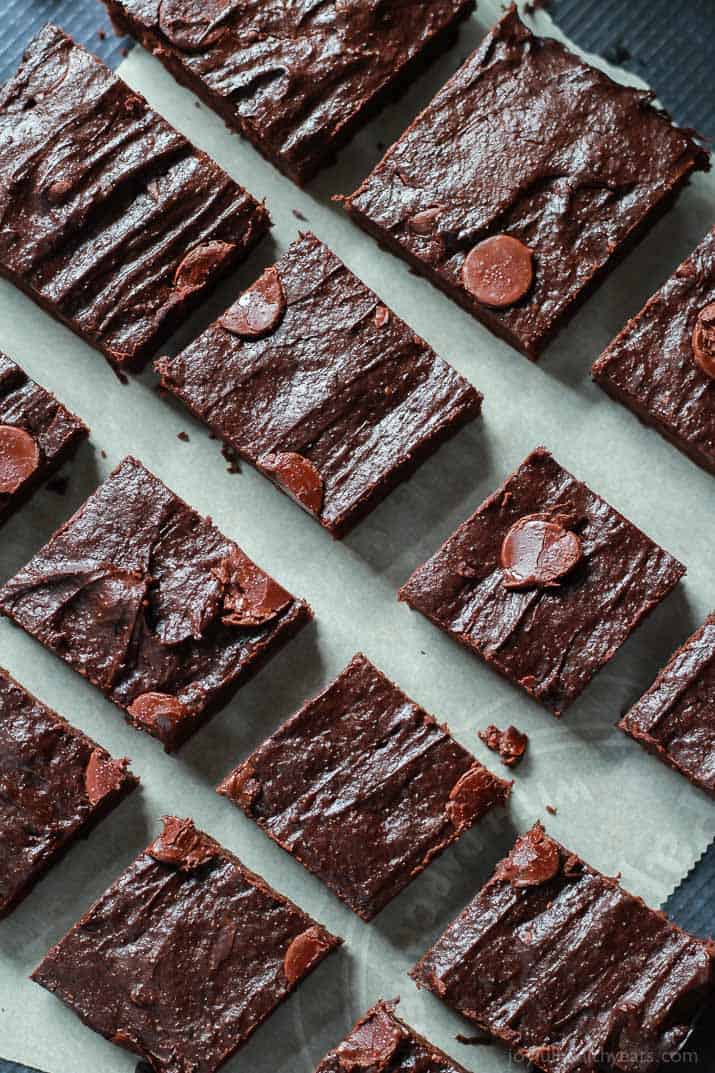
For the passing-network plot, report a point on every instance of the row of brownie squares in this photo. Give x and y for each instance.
(167, 616)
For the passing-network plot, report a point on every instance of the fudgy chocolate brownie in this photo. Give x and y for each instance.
(364, 788)
(568, 969)
(112, 221)
(296, 79)
(518, 185)
(545, 581)
(312, 379)
(381, 1043)
(55, 784)
(152, 604)
(37, 435)
(185, 954)
(662, 365)
(675, 719)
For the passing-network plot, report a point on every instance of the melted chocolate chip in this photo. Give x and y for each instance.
(538, 551)
(424, 223)
(250, 597)
(382, 316)
(372, 1044)
(303, 952)
(298, 476)
(192, 26)
(154, 709)
(103, 775)
(182, 846)
(241, 785)
(510, 743)
(471, 795)
(534, 860)
(499, 271)
(259, 310)
(19, 458)
(200, 264)
(704, 340)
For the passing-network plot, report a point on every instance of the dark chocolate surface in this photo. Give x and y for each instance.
(310, 363)
(112, 221)
(54, 784)
(675, 719)
(55, 431)
(529, 141)
(184, 955)
(552, 638)
(296, 79)
(151, 603)
(650, 366)
(567, 968)
(363, 788)
(382, 1043)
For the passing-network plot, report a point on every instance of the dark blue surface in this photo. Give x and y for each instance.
(669, 44)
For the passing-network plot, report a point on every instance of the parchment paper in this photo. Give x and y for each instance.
(617, 806)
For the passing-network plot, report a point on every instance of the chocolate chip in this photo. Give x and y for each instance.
(303, 953)
(704, 340)
(510, 743)
(103, 775)
(250, 596)
(57, 191)
(534, 860)
(499, 271)
(182, 846)
(372, 1044)
(200, 264)
(382, 316)
(19, 458)
(424, 223)
(538, 551)
(471, 795)
(298, 476)
(156, 708)
(259, 310)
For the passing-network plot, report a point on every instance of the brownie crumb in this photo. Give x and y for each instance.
(234, 464)
(183, 436)
(58, 484)
(102, 35)
(510, 743)
(103, 453)
(551, 809)
(299, 216)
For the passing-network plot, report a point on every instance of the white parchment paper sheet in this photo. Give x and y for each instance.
(617, 806)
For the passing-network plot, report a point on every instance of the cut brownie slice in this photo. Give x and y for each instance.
(296, 79)
(313, 380)
(568, 969)
(185, 954)
(545, 581)
(662, 365)
(152, 604)
(518, 185)
(112, 221)
(37, 435)
(55, 784)
(364, 788)
(675, 719)
(381, 1043)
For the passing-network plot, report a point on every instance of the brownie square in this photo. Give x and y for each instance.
(185, 955)
(37, 435)
(112, 221)
(152, 604)
(568, 969)
(660, 365)
(296, 79)
(520, 183)
(55, 784)
(675, 719)
(364, 788)
(380, 1041)
(311, 378)
(545, 581)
